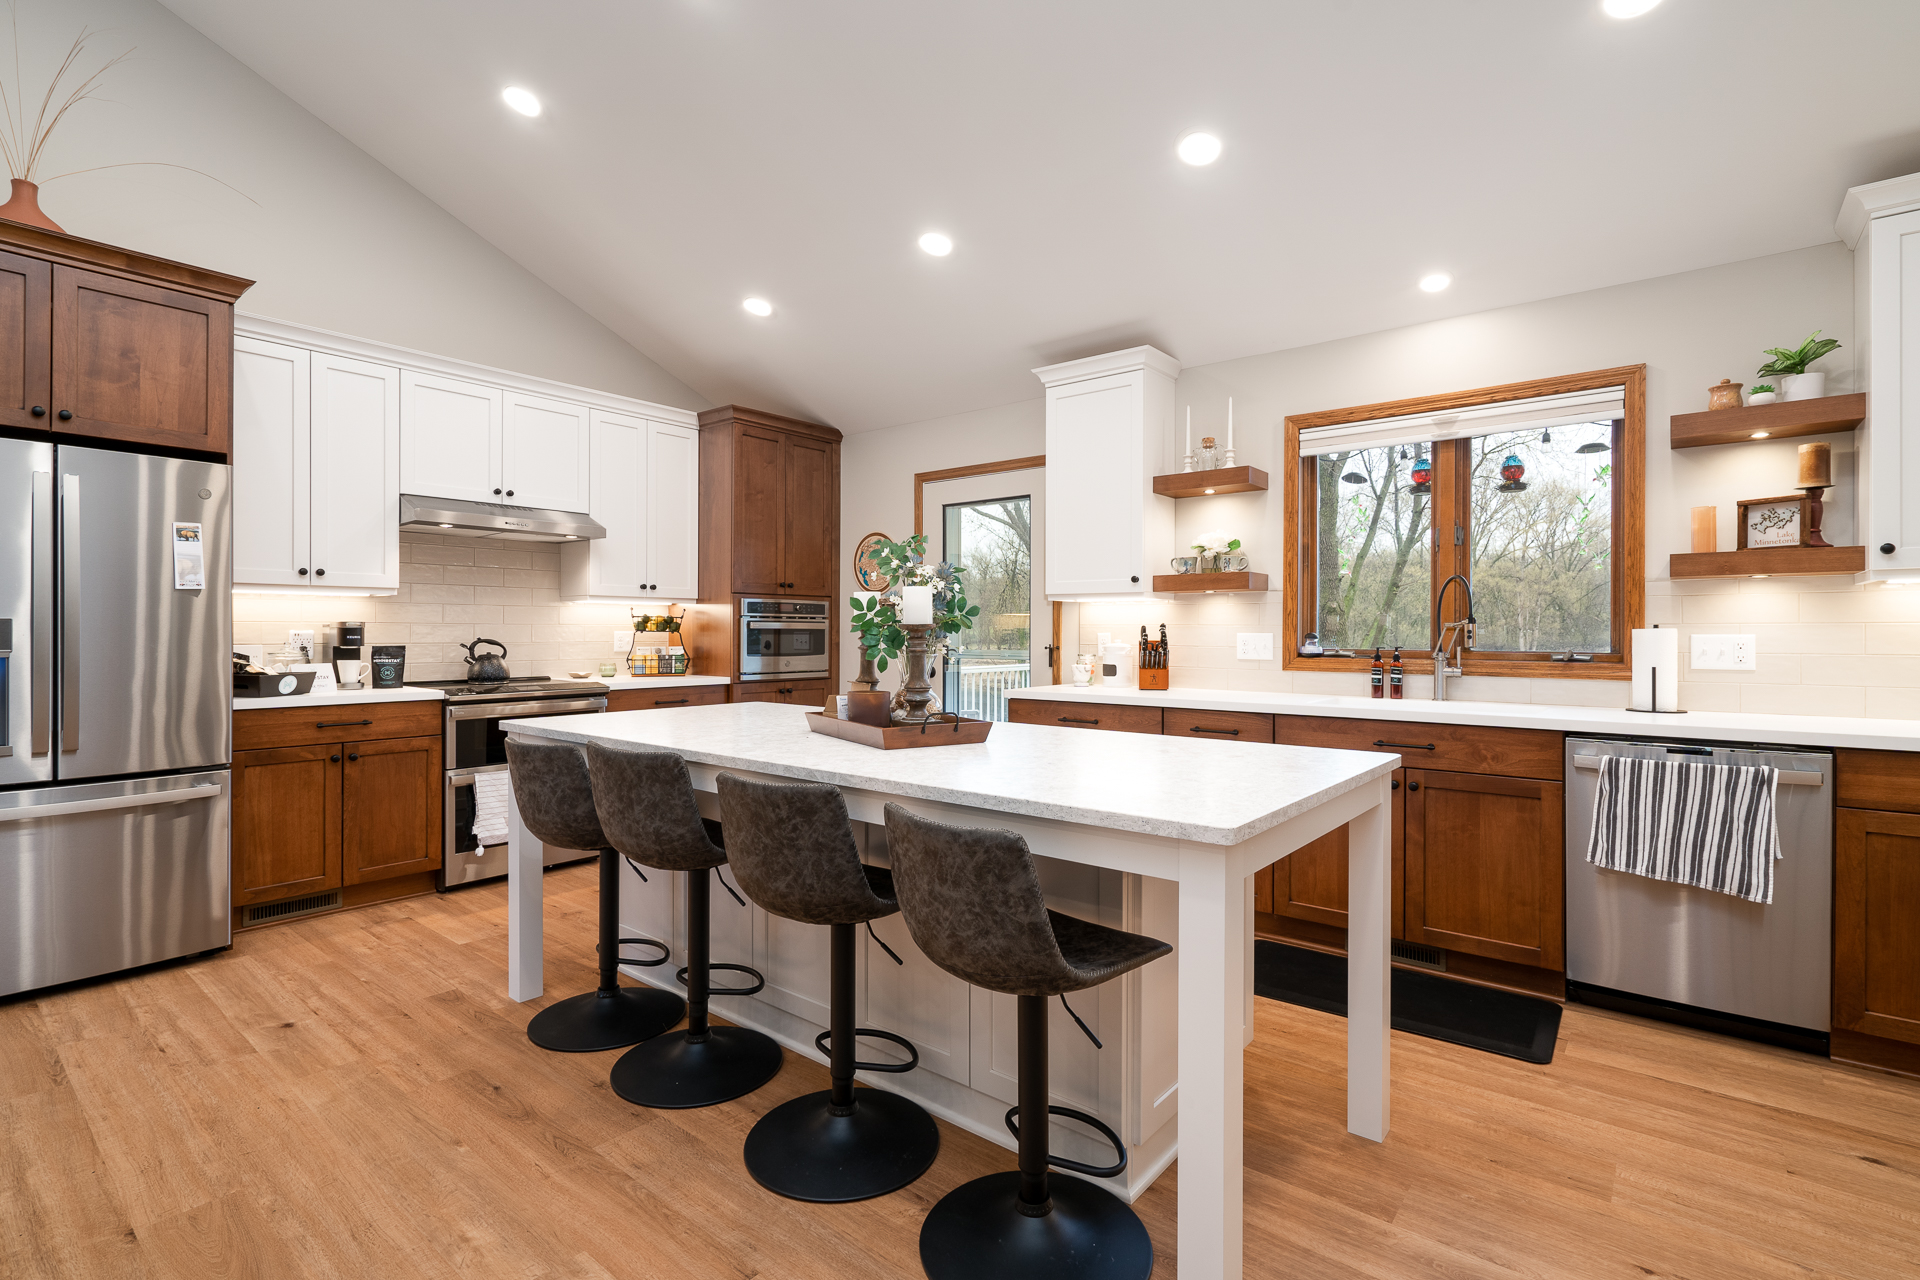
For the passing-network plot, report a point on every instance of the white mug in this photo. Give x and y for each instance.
(352, 673)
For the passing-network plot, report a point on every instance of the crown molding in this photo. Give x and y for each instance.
(1862, 205)
(1112, 362)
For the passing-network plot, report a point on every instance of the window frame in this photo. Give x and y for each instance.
(1629, 604)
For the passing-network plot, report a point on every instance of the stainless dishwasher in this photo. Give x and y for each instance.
(1630, 937)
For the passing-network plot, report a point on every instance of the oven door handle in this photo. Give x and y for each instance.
(524, 710)
(752, 624)
(465, 777)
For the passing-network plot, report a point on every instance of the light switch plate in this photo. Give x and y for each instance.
(302, 640)
(1724, 653)
(1256, 646)
(622, 640)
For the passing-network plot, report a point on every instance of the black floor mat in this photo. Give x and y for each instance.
(1425, 1004)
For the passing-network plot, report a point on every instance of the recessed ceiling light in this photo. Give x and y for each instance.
(1199, 148)
(758, 306)
(936, 244)
(520, 100)
(1435, 282)
(1626, 8)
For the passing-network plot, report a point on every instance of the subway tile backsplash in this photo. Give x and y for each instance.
(1826, 647)
(452, 591)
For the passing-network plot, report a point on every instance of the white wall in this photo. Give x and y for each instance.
(1825, 646)
(335, 240)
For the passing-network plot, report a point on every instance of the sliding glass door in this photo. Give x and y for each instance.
(990, 527)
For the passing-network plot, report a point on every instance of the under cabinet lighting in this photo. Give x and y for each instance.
(1199, 148)
(1206, 491)
(520, 100)
(757, 307)
(1759, 435)
(446, 526)
(936, 244)
(1436, 282)
(1627, 8)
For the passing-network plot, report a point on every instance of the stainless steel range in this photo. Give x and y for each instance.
(475, 753)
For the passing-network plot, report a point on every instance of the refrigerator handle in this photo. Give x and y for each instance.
(40, 691)
(70, 595)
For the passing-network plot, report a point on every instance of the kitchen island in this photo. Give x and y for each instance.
(1156, 835)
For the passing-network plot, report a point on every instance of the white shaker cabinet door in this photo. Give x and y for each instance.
(673, 511)
(271, 461)
(616, 565)
(356, 474)
(449, 438)
(1890, 460)
(545, 455)
(1094, 503)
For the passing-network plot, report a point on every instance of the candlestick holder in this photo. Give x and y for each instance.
(1816, 512)
(1186, 463)
(917, 702)
(1226, 459)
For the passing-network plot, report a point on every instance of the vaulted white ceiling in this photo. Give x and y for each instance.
(695, 152)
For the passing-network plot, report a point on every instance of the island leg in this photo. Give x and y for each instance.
(1212, 959)
(1369, 970)
(526, 973)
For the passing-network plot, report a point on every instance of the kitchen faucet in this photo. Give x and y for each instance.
(1450, 632)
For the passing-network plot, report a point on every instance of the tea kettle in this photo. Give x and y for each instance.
(485, 668)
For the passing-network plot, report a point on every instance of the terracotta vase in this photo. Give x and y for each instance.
(1724, 396)
(25, 207)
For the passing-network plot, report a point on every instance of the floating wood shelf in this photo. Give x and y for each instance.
(1767, 561)
(1210, 582)
(1780, 420)
(1198, 484)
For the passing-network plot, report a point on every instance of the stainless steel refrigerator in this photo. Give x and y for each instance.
(116, 737)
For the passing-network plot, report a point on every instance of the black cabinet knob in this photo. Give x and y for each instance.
(335, 757)
(1136, 577)
(303, 573)
(39, 411)
(66, 415)
(496, 493)
(319, 573)
(1395, 785)
(509, 493)
(1413, 786)
(1887, 548)
(353, 755)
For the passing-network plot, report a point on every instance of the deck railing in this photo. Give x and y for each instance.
(981, 688)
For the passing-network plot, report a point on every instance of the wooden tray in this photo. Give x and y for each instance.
(898, 737)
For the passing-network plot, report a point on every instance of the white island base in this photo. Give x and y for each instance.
(1159, 836)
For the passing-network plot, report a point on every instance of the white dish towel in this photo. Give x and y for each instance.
(1711, 826)
(490, 794)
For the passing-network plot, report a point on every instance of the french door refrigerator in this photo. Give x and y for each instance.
(115, 710)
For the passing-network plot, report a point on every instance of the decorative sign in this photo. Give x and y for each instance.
(189, 557)
(865, 571)
(1773, 522)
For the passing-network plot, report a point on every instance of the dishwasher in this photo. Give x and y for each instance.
(1695, 956)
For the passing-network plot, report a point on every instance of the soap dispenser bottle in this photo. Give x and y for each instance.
(1378, 674)
(1396, 676)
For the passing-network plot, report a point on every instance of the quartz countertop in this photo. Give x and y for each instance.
(341, 697)
(1803, 731)
(1183, 788)
(647, 682)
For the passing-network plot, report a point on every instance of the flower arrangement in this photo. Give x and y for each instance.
(876, 620)
(1215, 542)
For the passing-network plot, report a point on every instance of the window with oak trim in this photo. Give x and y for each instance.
(1533, 492)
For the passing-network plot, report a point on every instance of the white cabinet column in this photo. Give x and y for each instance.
(356, 474)
(613, 567)
(673, 511)
(272, 427)
(1881, 224)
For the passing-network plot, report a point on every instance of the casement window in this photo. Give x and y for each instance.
(1534, 493)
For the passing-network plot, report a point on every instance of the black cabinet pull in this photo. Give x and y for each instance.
(1395, 785)
(39, 411)
(1071, 720)
(509, 493)
(335, 757)
(319, 573)
(668, 702)
(1410, 746)
(1136, 577)
(1413, 786)
(496, 493)
(335, 724)
(1886, 548)
(303, 573)
(1200, 728)
(66, 415)
(353, 755)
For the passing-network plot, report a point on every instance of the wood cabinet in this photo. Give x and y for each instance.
(1311, 882)
(1229, 726)
(1483, 866)
(109, 344)
(808, 694)
(644, 488)
(1112, 717)
(693, 695)
(326, 815)
(1876, 919)
(769, 505)
(1518, 753)
(316, 458)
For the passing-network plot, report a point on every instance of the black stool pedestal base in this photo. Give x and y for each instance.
(802, 1151)
(977, 1230)
(675, 1073)
(592, 1023)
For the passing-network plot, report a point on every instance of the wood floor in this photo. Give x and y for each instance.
(353, 1096)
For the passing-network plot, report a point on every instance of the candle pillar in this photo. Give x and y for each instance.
(916, 606)
(1187, 463)
(1229, 461)
(1706, 524)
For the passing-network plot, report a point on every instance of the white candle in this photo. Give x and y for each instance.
(1229, 422)
(1189, 428)
(916, 605)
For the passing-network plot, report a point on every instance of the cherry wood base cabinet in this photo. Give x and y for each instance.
(1876, 919)
(811, 693)
(1484, 866)
(102, 342)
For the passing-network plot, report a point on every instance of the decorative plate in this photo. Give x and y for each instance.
(866, 571)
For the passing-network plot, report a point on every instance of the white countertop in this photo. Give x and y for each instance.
(1183, 788)
(339, 697)
(1803, 731)
(647, 682)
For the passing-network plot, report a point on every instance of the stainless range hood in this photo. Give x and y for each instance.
(467, 519)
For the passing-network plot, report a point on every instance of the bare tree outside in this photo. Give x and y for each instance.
(994, 540)
(1376, 560)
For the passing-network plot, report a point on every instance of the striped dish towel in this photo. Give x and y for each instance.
(490, 792)
(1706, 825)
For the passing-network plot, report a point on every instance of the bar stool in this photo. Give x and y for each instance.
(973, 903)
(555, 795)
(791, 847)
(646, 807)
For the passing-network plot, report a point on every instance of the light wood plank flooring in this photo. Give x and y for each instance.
(353, 1096)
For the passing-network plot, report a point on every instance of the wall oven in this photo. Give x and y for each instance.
(782, 639)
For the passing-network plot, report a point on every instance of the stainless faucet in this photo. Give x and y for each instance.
(1449, 632)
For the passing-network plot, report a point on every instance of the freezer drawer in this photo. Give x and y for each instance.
(100, 877)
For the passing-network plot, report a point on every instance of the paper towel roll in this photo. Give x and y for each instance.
(1656, 649)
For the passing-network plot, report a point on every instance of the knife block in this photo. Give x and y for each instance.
(1153, 677)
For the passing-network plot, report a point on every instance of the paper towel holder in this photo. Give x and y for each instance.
(1654, 697)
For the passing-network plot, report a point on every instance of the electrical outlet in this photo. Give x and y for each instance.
(1254, 645)
(622, 640)
(1724, 653)
(302, 640)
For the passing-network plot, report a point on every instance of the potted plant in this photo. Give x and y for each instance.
(1209, 547)
(1762, 393)
(876, 620)
(1790, 366)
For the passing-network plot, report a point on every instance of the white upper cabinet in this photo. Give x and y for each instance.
(544, 453)
(1881, 223)
(272, 459)
(1109, 428)
(450, 438)
(356, 473)
(673, 511)
(316, 469)
(644, 488)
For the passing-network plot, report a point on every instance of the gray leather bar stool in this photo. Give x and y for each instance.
(973, 903)
(555, 795)
(646, 807)
(791, 846)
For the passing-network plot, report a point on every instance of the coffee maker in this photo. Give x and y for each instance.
(349, 640)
